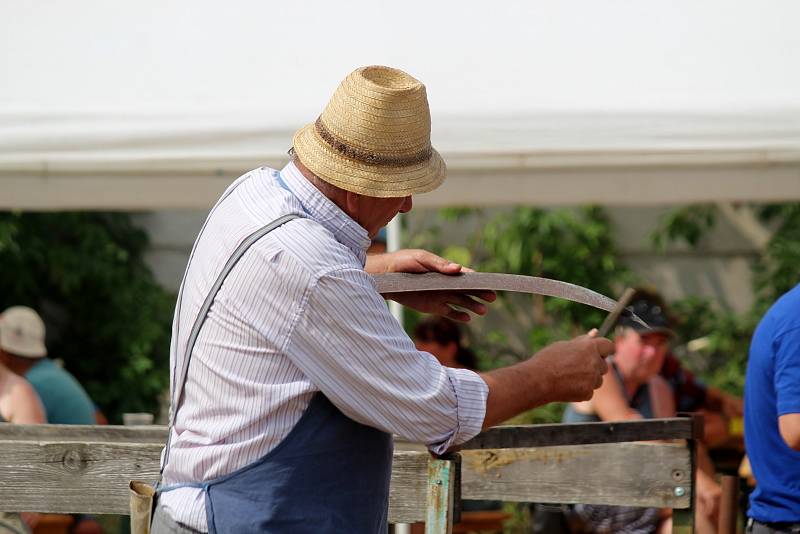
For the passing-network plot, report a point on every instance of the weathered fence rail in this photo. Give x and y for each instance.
(86, 469)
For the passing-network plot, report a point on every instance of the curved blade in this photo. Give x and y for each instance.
(404, 282)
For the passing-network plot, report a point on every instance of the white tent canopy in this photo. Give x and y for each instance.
(154, 105)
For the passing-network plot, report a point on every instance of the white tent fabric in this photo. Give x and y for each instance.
(154, 105)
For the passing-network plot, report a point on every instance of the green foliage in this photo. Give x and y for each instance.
(688, 224)
(724, 338)
(107, 317)
(778, 269)
(574, 245)
(722, 358)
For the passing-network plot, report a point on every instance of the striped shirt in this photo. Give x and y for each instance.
(298, 314)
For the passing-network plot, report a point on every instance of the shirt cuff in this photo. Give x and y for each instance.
(787, 407)
(471, 393)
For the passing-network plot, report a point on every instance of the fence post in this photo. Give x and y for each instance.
(441, 495)
(683, 519)
(729, 509)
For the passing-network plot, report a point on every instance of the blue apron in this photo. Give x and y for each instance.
(330, 474)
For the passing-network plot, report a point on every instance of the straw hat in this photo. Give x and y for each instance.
(374, 137)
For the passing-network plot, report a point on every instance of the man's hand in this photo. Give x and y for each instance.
(574, 368)
(410, 261)
(564, 371)
(436, 302)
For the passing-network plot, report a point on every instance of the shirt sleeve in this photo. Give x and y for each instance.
(348, 344)
(787, 372)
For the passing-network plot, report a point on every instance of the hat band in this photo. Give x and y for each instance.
(364, 156)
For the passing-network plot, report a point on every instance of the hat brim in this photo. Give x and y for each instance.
(641, 330)
(381, 181)
(32, 350)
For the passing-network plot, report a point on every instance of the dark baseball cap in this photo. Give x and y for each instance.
(650, 309)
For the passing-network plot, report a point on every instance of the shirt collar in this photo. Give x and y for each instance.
(322, 209)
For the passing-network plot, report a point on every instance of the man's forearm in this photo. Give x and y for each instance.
(564, 371)
(377, 263)
(513, 390)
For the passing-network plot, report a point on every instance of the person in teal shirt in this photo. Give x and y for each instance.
(65, 401)
(22, 349)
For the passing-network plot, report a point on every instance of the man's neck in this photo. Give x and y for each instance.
(331, 192)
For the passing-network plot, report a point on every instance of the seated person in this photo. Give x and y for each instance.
(442, 338)
(18, 404)
(64, 401)
(23, 351)
(633, 389)
(691, 395)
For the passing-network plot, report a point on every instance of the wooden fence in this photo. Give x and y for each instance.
(86, 469)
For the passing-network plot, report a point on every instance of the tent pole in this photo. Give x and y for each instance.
(394, 236)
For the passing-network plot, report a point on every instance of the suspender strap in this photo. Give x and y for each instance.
(203, 313)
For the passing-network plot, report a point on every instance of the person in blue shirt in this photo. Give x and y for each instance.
(22, 349)
(772, 418)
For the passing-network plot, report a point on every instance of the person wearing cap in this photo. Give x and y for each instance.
(23, 350)
(772, 418)
(634, 389)
(289, 374)
(19, 402)
(63, 400)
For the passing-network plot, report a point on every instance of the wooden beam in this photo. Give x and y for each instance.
(494, 438)
(409, 487)
(67, 477)
(582, 433)
(630, 474)
(92, 477)
(150, 434)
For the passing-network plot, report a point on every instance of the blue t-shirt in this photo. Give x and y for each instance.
(772, 389)
(65, 401)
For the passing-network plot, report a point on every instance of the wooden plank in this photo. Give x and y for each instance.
(632, 474)
(69, 477)
(683, 519)
(502, 437)
(90, 477)
(95, 433)
(494, 438)
(441, 482)
(408, 490)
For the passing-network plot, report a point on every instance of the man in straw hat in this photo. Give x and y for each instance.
(289, 374)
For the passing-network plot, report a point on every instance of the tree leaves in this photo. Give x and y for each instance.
(107, 318)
